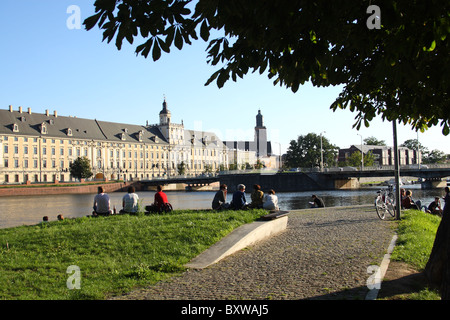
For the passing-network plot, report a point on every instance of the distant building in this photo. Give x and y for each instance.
(37, 147)
(242, 152)
(384, 155)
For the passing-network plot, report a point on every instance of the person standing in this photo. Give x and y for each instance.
(447, 196)
(101, 203)
(130, 201)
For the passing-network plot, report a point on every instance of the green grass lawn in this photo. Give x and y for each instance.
(114, 254)
(416, 234)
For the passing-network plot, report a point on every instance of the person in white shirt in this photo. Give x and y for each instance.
(270, 201)
(130, 201)
(101, 203)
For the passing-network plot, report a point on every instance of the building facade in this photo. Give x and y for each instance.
(383, 155)
(38, 147)
(244, 153)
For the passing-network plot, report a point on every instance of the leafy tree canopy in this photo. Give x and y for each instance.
(81, 168)
(372, 141)
(354, 160)
(305, 152)
(400, 71)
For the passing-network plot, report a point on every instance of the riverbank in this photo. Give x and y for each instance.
(113, 254)
(62, 188)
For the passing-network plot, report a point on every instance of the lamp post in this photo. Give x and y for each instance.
(362, 153)
(396, 173)
(321, 152)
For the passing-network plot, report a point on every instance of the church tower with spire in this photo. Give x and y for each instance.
(164, 114)
(172, 132)
(260, 136)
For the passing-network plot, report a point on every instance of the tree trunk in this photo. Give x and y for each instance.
(437, 269)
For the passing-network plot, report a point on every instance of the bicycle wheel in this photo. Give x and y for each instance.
(390, 207)
(379, 206)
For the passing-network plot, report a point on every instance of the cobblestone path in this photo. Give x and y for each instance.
(323, 254)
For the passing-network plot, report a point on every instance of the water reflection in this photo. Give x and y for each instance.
(20, 210)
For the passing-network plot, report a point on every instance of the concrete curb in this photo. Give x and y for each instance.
(381, 271)
(238, 239)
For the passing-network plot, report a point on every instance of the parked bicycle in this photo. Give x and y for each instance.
(385, 202)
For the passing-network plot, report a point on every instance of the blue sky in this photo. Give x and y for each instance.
(46, 65)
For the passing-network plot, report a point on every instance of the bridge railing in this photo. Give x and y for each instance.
(334, 169)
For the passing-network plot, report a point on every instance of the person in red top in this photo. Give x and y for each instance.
(160, 198)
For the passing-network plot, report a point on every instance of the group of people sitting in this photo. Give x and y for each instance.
(130, 203)
(434, 207)
(259, 200)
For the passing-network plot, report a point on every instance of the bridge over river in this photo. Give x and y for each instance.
(304, 180)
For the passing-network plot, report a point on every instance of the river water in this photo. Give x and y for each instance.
(29, 210)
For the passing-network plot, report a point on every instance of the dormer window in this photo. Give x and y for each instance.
(123, 136)
(69, 132)
(141, 134)
(15, 127)
(43, 128)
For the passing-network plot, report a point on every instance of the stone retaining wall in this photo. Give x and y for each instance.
(82, 188)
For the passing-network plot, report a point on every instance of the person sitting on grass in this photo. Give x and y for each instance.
(159, 202)
(101, 203)
(239, 202)
(257, 197)
(220, 199)
(130, 201)
(271, 201)
(435, 207)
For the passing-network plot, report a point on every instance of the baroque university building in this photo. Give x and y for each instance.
(40, 148)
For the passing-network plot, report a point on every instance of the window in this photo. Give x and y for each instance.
(15, 127)
(43, 128)
(6, 163)
(25, 150)
(5, 149)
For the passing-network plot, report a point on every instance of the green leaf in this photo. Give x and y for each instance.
(91, 21)
(204, 31)
(445, 130)
(178, 39)
(213, 77)
(431, 48)
(156, 53)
